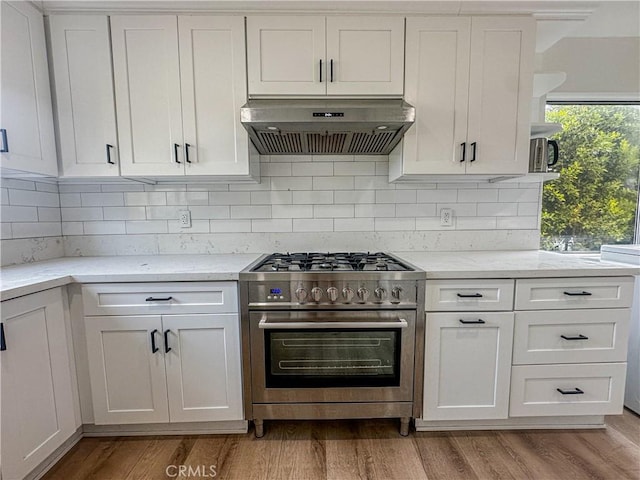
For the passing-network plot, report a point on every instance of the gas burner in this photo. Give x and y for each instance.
(330, 262)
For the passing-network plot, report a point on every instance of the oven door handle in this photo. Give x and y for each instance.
(265, 324)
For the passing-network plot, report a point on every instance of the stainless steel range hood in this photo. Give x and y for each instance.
(326, 127)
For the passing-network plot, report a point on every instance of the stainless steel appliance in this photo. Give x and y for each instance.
(326, 127)
(334, 335)
(539, 158)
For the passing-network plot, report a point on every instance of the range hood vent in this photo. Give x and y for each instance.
(326, 127)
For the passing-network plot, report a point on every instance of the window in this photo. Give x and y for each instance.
(595, 200)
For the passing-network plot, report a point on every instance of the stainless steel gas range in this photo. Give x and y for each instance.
(332, 335)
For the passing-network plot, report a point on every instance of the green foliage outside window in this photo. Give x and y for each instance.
(595, 200)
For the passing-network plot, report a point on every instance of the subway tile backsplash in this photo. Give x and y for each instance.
(332, 195)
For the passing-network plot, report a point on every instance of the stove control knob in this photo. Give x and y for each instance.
(301, 294)
(332, 293)
(316, 294)
(347, 293)
(395, 293)
(363, 294)
(380, 293)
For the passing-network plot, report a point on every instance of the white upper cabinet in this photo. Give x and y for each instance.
(365, 55)
(286, 55)
(310, 55)
(213, 78)
(180, 83)
(470, 80)
(147, 80)
(81, 58)
(27, 141)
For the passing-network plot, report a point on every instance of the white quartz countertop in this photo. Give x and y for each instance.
(513, 264)
(28, 278)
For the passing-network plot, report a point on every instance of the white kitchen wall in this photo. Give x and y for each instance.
(30, 221)
(302, 203)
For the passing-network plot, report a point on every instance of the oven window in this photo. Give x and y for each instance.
(321, 358)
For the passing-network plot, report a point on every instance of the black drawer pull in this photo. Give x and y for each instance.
(579, 337)
(3, 343)
(463, 158)
(468, 322)
(158, 299)
(469, 295)
(576, 391)
(167, 348)
(578, 294)
(154, 348)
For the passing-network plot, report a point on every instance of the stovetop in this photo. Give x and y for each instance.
(331, 262)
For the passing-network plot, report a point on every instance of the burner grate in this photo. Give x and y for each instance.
(330, 262)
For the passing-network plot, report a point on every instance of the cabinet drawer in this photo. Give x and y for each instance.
(160, 298)
(469, 295)
(571, 336)
(557, 293)
(599, 389)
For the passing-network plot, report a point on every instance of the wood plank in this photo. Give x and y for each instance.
(160, 454)
(371, 449)
(628, 424)
(489, 457)
(72, 462)
(302, 450)
(441, 456)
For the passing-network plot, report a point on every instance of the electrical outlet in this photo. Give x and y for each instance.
(446, 217)
(185, 218)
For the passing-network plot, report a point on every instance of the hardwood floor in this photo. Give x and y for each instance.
(371, 449)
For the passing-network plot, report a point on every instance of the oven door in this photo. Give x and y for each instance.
(333, 356)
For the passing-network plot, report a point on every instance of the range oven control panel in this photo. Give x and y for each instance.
(333, 292)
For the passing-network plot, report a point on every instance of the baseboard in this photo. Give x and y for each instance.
(520, 423)
(57, 454)
(223, 427)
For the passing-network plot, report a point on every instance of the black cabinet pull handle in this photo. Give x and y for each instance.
(469, 295)
(109, 147)
(320, 70)
(167, 348)
(471, 322)
(464, 151)
(579, 337)
(175, 152)
(158, 299)
(331, 68)
(578, 294)
(3, 342)
(5, 144)
(576, 391)
(154, 348)
(473, 155)
(186, 152)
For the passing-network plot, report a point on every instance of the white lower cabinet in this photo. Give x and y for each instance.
(38, 405)
(165, 367)
(468, 364)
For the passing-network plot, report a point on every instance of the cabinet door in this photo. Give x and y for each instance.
(128, 382)
(437, 84)
(203, 367)
(213, 77)
(25, 111)
(81, 58)
(284, 55)
(147, 84)
(365, 55)
(500, 90)
(467, 365)
(37, 400)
